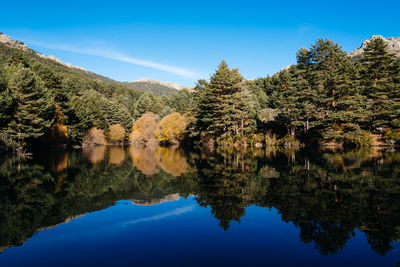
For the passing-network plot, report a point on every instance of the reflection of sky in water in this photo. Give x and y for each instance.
(180, 233)
(174, 212)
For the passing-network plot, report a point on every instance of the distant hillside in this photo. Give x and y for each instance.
(154, 86)
(142, 85)
(20, 45)
(7, 43)
(393, 46)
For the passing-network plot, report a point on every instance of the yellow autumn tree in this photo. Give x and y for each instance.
(58, 132)
(116, 133)
(171, 128)
(143, 129)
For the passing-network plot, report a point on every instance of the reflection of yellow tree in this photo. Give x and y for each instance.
(270, 152)
(172, 161)
(350, 160)
(116, 155)
(59, 162)
(149, 159)
(94, 154)
(144, 159)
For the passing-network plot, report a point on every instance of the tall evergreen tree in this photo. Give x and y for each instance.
(224, 104)
(33, 106)
(378, 78)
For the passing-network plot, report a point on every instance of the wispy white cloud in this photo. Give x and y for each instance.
(175, 212)
(118, 56)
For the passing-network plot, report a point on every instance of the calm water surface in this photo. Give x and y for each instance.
(164, 206)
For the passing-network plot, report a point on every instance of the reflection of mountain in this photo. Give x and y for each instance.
(67, 220)
(149, 202)
(326, 195)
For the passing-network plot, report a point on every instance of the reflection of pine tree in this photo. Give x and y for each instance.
(330, 199)
(224, 186)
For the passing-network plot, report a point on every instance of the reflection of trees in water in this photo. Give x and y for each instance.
(327, 203)
(144, 158)
(35, 195)
(59, 161)
(224, 186)
(172, 161)
(24, 192)
(326, 195)
(94, 154)
(116, 155)
(149, 159)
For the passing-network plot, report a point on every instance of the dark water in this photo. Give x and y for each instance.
(115, 206)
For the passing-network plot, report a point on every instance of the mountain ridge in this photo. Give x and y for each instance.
(144, 84)
(168, 84)
(20, 45)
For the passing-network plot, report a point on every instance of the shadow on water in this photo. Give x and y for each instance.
(327, 195)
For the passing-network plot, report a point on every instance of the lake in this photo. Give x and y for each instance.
(167, 206)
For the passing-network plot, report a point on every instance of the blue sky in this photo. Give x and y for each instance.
(183, 41)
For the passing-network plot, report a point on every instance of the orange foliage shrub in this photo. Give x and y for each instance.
(143, 129)
(172, 128)
(116, 133)
(94, 137)
(58, 133)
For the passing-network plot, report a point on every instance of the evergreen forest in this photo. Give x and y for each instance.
(326, 99)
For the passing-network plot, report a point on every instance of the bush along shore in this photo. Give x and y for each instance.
(329, 98)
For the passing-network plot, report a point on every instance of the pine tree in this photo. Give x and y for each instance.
(331, 100)
(33, 106)
(395, 94)
(224, 104)
(288, 104)
(379, 84)
(6, 102)
(145, 103)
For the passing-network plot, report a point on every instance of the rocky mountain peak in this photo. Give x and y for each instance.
(393, 44)
(11, 43)
(20, 45)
